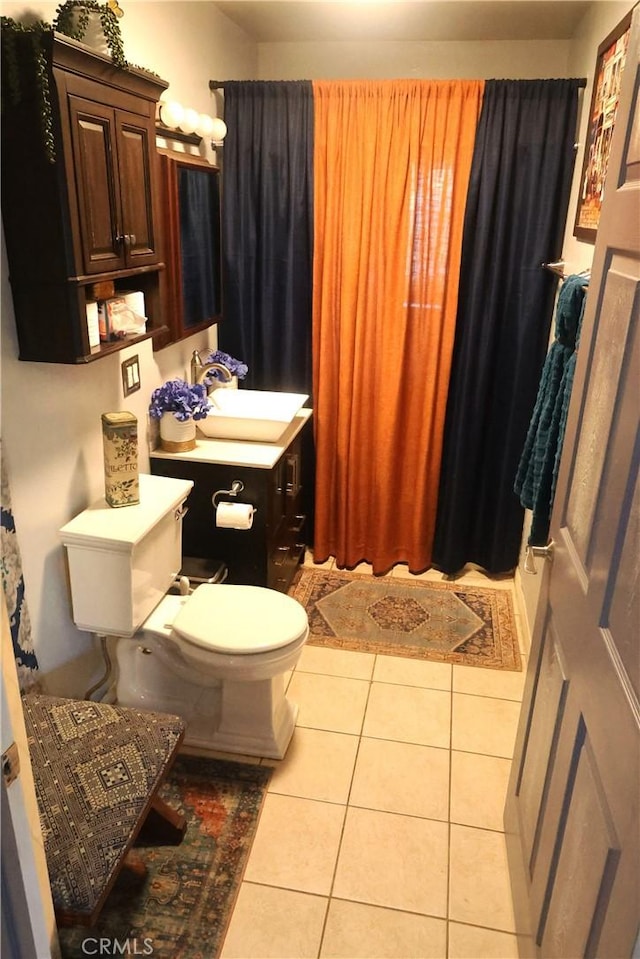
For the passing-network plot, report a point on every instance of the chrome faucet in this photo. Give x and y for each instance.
(199, 372)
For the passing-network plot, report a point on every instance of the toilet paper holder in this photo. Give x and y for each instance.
(236, 487)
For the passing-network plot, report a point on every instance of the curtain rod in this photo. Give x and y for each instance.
(220, 84)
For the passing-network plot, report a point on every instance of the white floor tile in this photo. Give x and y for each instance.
(296, 844)
(484, 725)
(408, 714)
(401, 571)
(358, 931)
(318, 765)
(479, 889)
(365, 569)
(472, 942)
(336, 662)
(395, 861)
(412, 672)
(329, 702)
(309, 561)
(402, 778)
(498, 683)
(270, 923)
(478, 789)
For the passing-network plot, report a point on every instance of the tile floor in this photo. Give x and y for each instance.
(381, 833)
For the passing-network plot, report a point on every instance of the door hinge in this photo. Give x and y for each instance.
(10, 764)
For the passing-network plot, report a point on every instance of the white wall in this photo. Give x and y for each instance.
(51, 426)
(388, 59)
(595, 26)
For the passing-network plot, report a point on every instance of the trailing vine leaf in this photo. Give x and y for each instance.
(65, 22)
(12, 32)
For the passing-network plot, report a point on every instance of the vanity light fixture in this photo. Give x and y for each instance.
(176, 117)
(218, 132)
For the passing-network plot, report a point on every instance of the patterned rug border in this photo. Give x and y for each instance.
(193, 889)
(308, 587)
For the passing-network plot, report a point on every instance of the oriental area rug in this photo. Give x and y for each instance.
(181, 908)
(442, 622)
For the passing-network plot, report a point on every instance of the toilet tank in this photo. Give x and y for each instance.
(123, 560)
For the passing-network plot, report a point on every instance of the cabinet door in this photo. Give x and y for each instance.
(135, 141)
(92, 132)
(113, 178)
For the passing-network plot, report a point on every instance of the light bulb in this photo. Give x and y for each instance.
(189, 121)
(219, 130)
(171, 114)
(205, 125)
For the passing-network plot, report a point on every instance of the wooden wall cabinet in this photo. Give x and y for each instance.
(190, 191)
(91, 217)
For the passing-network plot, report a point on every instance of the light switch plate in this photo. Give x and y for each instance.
(130, 375)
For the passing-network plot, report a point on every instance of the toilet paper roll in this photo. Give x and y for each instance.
(234, 515)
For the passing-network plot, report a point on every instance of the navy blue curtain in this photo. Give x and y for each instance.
(267, 231)
(514, 221)
(267, 243)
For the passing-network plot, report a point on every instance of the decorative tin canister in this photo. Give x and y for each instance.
(120, 441)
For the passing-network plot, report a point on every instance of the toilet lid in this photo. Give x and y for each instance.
(240, 619)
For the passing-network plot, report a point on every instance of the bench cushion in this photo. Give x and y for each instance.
(96, 768)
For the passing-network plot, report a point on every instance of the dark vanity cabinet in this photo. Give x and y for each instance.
(269, 553)
(86, 226)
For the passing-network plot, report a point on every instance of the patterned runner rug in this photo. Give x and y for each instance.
(445, 622)
(181, 909)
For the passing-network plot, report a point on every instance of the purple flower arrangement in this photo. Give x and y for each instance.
(235, 367)
(181, 399)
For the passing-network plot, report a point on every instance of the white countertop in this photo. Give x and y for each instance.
(239, 452)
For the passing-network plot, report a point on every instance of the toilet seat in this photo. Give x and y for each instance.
(241, 620)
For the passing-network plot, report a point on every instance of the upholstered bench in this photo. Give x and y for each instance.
(97, 769)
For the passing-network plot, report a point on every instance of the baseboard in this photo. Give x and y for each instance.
(521, 611)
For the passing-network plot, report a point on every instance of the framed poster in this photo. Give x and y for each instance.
(602, 114)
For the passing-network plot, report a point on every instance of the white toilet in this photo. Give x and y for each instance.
(216, 657)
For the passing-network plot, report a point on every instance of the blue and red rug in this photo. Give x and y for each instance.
(181, 909)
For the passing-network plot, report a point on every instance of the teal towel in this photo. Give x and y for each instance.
(538, 468)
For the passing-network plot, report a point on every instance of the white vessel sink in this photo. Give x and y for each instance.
(257, 415)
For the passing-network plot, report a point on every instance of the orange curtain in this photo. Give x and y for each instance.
(391, 169)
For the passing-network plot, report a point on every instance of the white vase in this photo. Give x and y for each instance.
(94, 34)
(177, 436)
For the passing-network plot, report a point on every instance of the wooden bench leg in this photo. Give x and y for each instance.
(134, 864)
(163, 826)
